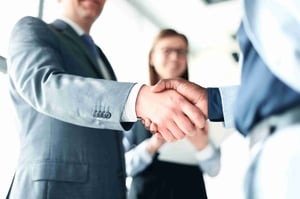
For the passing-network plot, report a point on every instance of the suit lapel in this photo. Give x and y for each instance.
(105, 61)
(77, 42)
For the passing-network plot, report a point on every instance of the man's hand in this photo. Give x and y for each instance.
(174, 115)
(200, 139)
(193, 92)
(154, 143)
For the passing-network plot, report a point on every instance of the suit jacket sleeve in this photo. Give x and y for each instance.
(273, 28)
(60, 82)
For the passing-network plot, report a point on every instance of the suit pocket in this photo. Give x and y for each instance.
(57, 171)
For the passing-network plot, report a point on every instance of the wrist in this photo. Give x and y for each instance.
(140, 99)
(206, 152)
(201, 145)
(151, 148)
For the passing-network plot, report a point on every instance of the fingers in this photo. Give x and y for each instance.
(185, 120)
(176, 132)
(200, 139)
(168, 135)
(170, 132)
(188, 118)
(153, 127)
(167, 84)
(147, 123)
(158, 135)
(193, 114)
(173, 115)
(154, 143)
(194, 93)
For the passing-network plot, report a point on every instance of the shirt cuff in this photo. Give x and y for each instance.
(145, 155)
(206, 153)
(129, 113)
(228, 96)
(210, 160)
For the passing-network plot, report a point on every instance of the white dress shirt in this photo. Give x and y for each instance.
(137, 157)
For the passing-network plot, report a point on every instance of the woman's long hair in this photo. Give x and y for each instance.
(165, 33)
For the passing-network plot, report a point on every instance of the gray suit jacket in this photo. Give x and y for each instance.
(69, 119)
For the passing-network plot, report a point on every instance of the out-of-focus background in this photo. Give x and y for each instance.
(125, 31)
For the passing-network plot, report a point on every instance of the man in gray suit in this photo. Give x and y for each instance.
(71, 111)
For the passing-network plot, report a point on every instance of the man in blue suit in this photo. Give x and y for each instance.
(265, 108)
(71, 111)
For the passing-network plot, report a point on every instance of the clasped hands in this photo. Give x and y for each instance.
(173, 109)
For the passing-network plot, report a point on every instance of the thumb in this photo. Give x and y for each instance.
(165, 84)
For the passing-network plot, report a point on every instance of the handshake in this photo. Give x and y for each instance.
(173, 108)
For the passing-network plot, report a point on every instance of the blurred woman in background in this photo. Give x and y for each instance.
(162, 169)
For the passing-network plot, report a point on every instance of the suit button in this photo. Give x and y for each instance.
(98, 114)
(107, 115)
(95, 114)
(102, 114)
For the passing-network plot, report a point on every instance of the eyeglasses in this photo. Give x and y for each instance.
(179, 51)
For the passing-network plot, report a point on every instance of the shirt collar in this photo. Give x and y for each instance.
(75, 26)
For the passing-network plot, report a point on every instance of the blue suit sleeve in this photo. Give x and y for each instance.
(215, 111)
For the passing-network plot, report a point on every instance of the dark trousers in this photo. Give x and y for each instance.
(168, 181)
